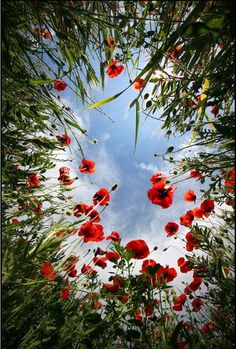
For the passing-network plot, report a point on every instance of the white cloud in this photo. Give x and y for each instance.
(148, 167)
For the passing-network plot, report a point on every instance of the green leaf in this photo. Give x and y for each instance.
(136, 124)
(104, 101)
(40, 82)
(195, 29)
(175, 333)
(216, 23)
(74, 124)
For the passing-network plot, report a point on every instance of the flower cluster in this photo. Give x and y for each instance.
(161, 194)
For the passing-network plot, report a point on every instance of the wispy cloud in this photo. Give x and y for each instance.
(148, 167)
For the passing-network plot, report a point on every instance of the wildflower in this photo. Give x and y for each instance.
(48, 271)
(139, 249)
(101, 197)
(214, 109)
(230, 181)
(209, 327)
(86, 269)
(64, 139)
(169, 274)
(15, 220)
(87, 166)
(110, 42)
(91, 232)
(195, 174)
(174, 54)
(139, 84)
(112, 256)
(179, 302)
(112, 287)
(191, 242)
(185, 266)
(161, 195)
(190, 196)
(171, 228)
(197, 212)
(100, 262)
(65, 293)
(114, 70)
(181, 344)
(115, 236)
(207, 206)
(197, 303)
(187, 218)
(158, 177)
(59, 85)
(33, 181)
(46, 34)
(193, 286)
(64, 177)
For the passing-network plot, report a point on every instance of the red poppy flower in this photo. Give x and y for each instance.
(197, 303)
(174, 54)
(42, 33)
(139, 84)
(81, 209)
(64, 177)
(100, 262)
(157, 178)
(64, 139)
(181, 344)
(15, 220)
(209, 327)
(94, 215)
(72, 273)
(115, 236)
(33, 181)
(187, 218)
(65, 293)
(179, 302)
(185, 266)
(46, 34)
(114, 70)
(169, 274)
(64, 170)
(48, 271)
(214, 109)
(161, 195)
(230, 181)
(193, 286)
(101, 197)
(147, 265)
(99, 251)
(197, 212)
(87, 166)
(91, 232)
(195, 174)
(59, 85)
(38, 207)
(86, 269)
(171, 228)
(124, 298)
(110, 42)
(112, 287)
(191, 242)
(190, 196)
(112, 256)
(207, 206)
(139, 249)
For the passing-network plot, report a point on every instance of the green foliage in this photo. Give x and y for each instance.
(35, 315)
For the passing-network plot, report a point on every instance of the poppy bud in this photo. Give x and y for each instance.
(114, 187)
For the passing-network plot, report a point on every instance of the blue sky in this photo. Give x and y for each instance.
(129, 212)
